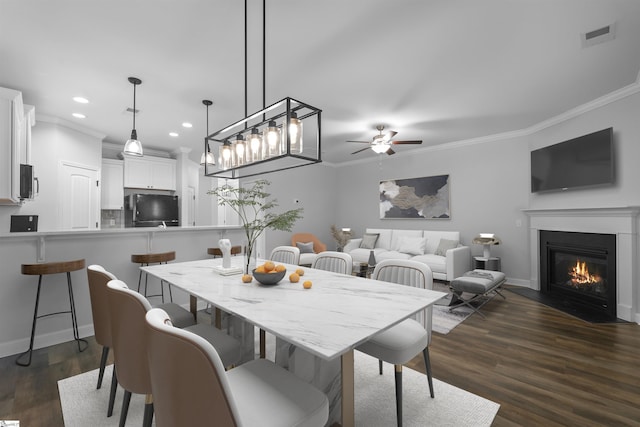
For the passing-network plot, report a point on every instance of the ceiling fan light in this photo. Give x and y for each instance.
(380, 148)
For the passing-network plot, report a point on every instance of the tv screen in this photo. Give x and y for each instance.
(580, 162)
(156, 208)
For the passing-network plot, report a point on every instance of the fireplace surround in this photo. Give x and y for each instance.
(619, 221)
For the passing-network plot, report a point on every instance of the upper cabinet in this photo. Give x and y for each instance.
(150, 172)
(16, 120)
(112, 184)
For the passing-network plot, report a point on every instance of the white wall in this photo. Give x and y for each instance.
(51, 145)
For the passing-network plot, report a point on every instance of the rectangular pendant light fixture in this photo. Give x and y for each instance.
(284, 135)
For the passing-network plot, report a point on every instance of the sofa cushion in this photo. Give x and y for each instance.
(391, 255)
(305, 248)
(307, 258)
(384, 240)
(369, 240)
(445, 245)
(398, 236)
(433, 238)
(437, 263)
(412, 245)
(362, 255)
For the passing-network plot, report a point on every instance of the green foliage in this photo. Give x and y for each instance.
(255, 209)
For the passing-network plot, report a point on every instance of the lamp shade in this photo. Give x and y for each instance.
(486, 240)
(133, 147)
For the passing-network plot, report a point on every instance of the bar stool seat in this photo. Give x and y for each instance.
(153, 258)
(40, 270)
(217, 252)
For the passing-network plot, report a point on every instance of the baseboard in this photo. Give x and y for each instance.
(44, 340)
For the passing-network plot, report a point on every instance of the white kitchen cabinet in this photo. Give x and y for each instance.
(150, 172)
(15, 133)
(112, 185)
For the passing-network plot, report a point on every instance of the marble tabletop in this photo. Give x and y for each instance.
(337, 314)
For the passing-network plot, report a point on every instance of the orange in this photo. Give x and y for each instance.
(260, 269)
(294, 278)
(280, 268)
(307, 284)
(300, 272)
(273, 271)
(247, 278)
(268, 266)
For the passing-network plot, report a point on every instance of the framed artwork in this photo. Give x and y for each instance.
(422, 198)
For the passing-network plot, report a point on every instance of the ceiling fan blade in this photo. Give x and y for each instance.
(362, 142)
(406, 142)
(390, 151)
(356, 152)
(387, 136)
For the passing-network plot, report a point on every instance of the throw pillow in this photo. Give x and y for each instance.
(305, 248)
(445, 245)
(412, 245)
(369, 241)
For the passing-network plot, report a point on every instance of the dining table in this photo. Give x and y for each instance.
(327, 321)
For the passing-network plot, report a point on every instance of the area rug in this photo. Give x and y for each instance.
(83, 405)
(443, 320)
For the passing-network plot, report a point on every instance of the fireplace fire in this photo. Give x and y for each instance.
(579, 269)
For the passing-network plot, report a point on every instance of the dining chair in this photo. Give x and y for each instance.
(127, 309)
(190, 386)
(285, 254)
(338, 262)
(402, 342)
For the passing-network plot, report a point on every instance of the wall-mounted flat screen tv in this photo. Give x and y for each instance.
(585, 161)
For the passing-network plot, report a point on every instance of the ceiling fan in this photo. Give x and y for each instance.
(382, 143)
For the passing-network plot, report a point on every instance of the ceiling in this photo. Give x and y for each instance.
(439, 70)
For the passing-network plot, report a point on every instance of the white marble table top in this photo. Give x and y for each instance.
(337, 314)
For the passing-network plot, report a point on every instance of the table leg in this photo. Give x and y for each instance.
(193, 306)
(348, 401)
(218, 318)
(263, 344)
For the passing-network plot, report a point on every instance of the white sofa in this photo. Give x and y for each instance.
(418, 245)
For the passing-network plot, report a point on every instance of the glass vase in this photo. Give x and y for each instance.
(250, 260)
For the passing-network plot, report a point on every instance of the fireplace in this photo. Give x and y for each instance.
(579, 270)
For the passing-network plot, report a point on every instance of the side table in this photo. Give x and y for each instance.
(482, 263)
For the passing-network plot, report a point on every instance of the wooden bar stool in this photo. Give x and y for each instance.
(216, 252)
(53, 268)
(157, 258)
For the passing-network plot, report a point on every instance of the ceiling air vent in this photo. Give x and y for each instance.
(599, 35)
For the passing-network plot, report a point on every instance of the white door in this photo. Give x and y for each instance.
(80, 197)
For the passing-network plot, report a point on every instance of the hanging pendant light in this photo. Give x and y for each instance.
(207, 157)
(133, 147)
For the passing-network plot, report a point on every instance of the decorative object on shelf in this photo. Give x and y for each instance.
(256, 213)
(424, 198)
(207, 157)
(341, 237)
(133, 146)
(486, 240)
(270, 140)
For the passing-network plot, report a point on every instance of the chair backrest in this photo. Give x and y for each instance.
(98, 278)
(410, 273)
(338, 262)
(285, 254)
(188, 381)
(127, 309)
(318, 246)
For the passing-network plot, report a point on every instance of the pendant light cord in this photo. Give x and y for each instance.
(134, 106)
(246, 111)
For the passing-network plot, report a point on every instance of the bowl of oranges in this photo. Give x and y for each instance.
(269, 273)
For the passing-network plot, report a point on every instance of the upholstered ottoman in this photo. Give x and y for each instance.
(478, 283)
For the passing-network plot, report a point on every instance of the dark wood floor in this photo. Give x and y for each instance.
(543, 367)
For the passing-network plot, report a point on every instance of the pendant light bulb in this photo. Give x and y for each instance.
(295, 133)
(133, 146)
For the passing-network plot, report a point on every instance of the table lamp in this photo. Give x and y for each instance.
(486, 240)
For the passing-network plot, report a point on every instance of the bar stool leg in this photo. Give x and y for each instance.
(74, 319)
(33, 328)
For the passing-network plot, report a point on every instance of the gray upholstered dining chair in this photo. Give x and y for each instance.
(402, 342)
(338, 262)
(127, 309)
(190, 386)
(285, 254)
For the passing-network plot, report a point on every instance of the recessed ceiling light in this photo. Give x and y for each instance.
(79, 115)
(80, 100)
(174, 134)
(187, 125)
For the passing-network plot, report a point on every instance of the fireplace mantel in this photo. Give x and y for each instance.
(621, 221)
